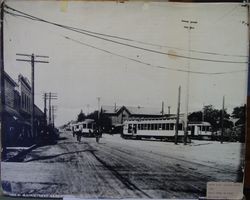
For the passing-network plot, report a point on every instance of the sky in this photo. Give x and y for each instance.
(79, 74)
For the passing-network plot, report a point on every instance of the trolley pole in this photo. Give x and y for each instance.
(178, 116)
(189, 27)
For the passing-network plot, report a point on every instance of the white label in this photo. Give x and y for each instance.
(224, 190)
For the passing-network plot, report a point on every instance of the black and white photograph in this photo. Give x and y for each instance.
(120, 99)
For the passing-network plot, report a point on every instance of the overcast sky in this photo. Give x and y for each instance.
(79, 74)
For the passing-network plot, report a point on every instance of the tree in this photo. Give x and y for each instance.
(195, 116)
(104, 122)
(81, 117)
(213, 116)
(239, 113)
(93, 115)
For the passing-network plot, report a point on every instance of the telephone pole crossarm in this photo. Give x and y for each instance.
(32, 61)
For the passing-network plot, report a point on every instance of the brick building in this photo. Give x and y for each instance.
(11, 114)
(17, 115)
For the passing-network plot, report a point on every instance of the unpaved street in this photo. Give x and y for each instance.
(118, 168)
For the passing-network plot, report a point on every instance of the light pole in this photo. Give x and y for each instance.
(98, 117)
(189, 26)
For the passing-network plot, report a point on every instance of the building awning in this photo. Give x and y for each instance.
(16, 117)
(12, 112)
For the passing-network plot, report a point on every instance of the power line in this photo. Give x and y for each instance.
(114, 41)
(149, 64)
(128, 39)
(141, 42)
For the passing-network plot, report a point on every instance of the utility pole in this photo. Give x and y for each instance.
(203, 113)
(162, 108)
(50, 108)
(247, 135)
(88, 108)
(169, 107)
(222, 120)
(98, 99)
(177, 116)
(2, 107)
(32, 61)
(50, 96)
(45, 108)
(53, 110)
(53, 117)
(189, 27)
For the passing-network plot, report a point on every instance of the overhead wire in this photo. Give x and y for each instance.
(149, 64)
(25, 15)
(138, 41)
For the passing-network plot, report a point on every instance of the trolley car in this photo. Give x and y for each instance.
(85, 128)
(200, 130)
(152, 128)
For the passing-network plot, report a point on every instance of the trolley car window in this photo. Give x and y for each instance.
(180, 127)
(134, 128)
(89, 126)
(163, 126)
(130, 128)
(160, 126)
(84, 125)
(171, 127)
(157, 126)
(167, 127)
(151, 127)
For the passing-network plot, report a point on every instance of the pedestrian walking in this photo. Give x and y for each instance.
(78, 136)
(97, 135)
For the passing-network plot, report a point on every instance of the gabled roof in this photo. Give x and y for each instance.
(111, 109)
(138, 110)
(133, 110)
(7, 77)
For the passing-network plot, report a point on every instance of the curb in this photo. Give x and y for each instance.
(19, 156)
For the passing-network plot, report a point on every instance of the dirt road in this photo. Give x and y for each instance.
(116, 168)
